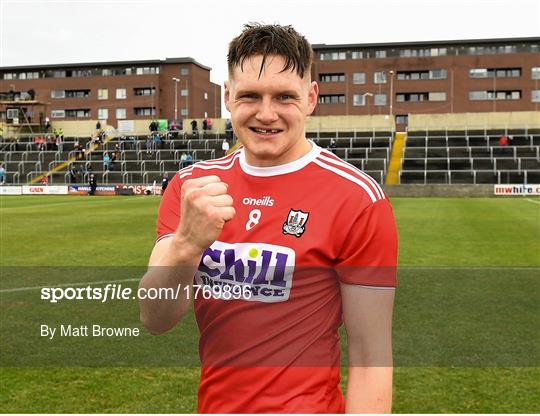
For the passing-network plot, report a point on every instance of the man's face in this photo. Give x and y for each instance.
(268, 112)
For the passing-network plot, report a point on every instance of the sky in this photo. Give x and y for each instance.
(39, 32)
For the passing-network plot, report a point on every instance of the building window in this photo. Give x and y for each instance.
(148, 91)
(402, 119)
(495, 95)
(359, 77)
(380, 54)
(184, 112)
(358, 100)
(206, 96)
(58, 114)
(78, 113)
(495, 72)
(184, 71)
(120, 113)
(379, 77)
(379, 99)
(332, 99)
(331, 77)
(77, 93)
(535, 96)
(103, 94)
(535, 72)
(145, 111)
(58, 94)
(205, 114)
(103, 113)
(357, 54)
(59, 74)
(184, 93)
(333, 56)
(437, 96)
(121, 94)
(9, 75)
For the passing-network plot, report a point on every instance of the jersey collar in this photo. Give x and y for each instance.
(280, 169)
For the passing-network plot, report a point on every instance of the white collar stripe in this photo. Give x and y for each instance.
(348, 176)
(290, 167)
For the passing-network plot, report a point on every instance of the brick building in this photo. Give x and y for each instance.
(109, 91)
(428, 77)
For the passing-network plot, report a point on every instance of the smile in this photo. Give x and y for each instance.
(265, 131)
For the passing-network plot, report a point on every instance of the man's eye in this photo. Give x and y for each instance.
(285, 97)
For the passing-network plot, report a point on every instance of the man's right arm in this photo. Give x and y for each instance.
(205, 208)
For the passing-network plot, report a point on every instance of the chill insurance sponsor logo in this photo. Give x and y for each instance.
(265, 270)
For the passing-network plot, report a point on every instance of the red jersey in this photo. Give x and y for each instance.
(271, 307)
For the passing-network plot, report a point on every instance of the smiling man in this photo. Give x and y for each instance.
(281, 242)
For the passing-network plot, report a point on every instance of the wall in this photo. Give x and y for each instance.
(460, 121)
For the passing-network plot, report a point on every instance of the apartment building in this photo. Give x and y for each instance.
(405, 78)
(174, 88)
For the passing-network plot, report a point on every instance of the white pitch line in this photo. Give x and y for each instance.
(532, 200)
(23, 289)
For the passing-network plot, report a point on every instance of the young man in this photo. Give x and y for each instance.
(286, 242)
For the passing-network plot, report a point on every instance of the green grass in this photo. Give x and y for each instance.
(466, 316)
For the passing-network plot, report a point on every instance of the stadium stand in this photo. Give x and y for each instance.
(368, 151)
(471, 157)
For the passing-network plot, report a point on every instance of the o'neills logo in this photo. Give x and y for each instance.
(259, 272)
(265, 201)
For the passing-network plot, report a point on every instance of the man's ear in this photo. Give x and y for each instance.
(313, 96)
(227, 94)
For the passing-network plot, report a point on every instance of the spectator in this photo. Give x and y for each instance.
(229, 129)
(72, 174)
(332, 145)
(2, 175)
(47, 125)
(149, 145)
(503, 141)
(194, 127)
(45, 180)
(164, 183)
(106, 161)
(205, 124)
(113, 160)
(225, 147)
(98, 127)
(92, 182)
(209, 123)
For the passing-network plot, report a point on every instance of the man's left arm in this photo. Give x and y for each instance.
(367, 314)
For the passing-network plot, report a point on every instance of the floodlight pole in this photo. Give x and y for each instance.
(391, 94)
(176, 81)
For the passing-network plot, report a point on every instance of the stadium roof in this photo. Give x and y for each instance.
(322, 46)
(165, 61)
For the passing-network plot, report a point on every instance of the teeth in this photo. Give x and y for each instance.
(265, 131)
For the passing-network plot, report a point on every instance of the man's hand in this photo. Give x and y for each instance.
(205, 208)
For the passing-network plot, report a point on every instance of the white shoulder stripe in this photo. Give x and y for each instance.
(349, 177)
(334, 159)
(210, 166)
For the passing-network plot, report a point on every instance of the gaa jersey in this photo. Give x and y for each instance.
(268, 305)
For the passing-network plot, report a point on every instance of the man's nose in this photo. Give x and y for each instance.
(266, 112)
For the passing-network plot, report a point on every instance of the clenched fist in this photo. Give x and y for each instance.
(205, 208)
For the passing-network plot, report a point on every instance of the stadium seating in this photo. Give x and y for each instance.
(471, 157)
(369, 151)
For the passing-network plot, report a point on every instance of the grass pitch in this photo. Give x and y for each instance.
(466, 316)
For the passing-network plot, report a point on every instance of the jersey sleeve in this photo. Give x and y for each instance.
(169, 210)
(369, 252)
